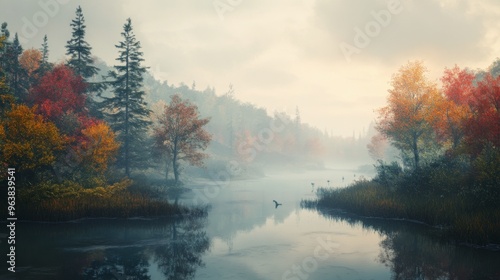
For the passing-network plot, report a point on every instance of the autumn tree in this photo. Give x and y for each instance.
(29, 142)
(179, 135)
(98, 146)
(483, 127)
(59, 92)
(408, 118)
(126, 110)
(30, 61)
(454, 109)
(89, 154)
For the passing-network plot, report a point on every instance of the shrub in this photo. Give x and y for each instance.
(388, 174)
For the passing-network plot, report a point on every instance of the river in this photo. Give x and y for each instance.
(245, 236)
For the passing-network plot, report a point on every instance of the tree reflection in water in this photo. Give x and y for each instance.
(127, 263)
(176, 249)
(414, 256)
(180, 258)
(411, 251)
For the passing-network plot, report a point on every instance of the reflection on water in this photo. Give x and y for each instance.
(245, 236)
(413, 256)
(180, 258)
(412, 251)
(113, 249)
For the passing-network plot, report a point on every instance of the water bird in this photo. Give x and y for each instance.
(276, 204)
(328, 181)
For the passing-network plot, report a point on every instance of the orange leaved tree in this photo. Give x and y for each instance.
(407, 120)
(179, 135)
(99, 146)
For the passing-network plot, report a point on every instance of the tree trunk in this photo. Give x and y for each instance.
(175, 166)
(127, 136)
(415, 152)
(168, 164)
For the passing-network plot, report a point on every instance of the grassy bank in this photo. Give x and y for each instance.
(69, 201)
(460, 217)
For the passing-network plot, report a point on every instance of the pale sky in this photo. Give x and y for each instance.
(283, 53)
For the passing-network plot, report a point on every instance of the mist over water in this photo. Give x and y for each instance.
(245, 236)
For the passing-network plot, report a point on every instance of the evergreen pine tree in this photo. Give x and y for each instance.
(81, 62)
(45, 50)
(16, 76)
(6, 99)
(126, 110)
(79, 50)
(44, 62)
(4, 36)
(4, 31)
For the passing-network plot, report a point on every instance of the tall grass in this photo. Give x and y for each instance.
(120, 206)
(459, 216)
(70, 201)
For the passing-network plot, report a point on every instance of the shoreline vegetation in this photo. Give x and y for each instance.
(447, 142)
(463, 213)
(69, 201)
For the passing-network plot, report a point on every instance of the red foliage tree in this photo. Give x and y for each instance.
(454, 110)
(483, 127)
(458, 85)
(60, 91)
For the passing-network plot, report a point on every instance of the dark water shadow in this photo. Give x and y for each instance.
(415, 251)
(111, 249)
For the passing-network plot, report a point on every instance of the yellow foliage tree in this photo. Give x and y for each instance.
(98, 148)
(408, 118)
(27, 141)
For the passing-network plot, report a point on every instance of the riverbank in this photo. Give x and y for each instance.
(458, 217)
(69, 201)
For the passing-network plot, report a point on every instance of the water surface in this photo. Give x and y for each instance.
(244, 236)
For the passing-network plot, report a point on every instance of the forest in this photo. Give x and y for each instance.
(447, 172)
(250, 140)
(87, 139)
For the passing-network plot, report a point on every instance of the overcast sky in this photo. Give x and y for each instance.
(332, 58)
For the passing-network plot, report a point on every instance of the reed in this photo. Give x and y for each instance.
(459, 216)
(69, 201)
